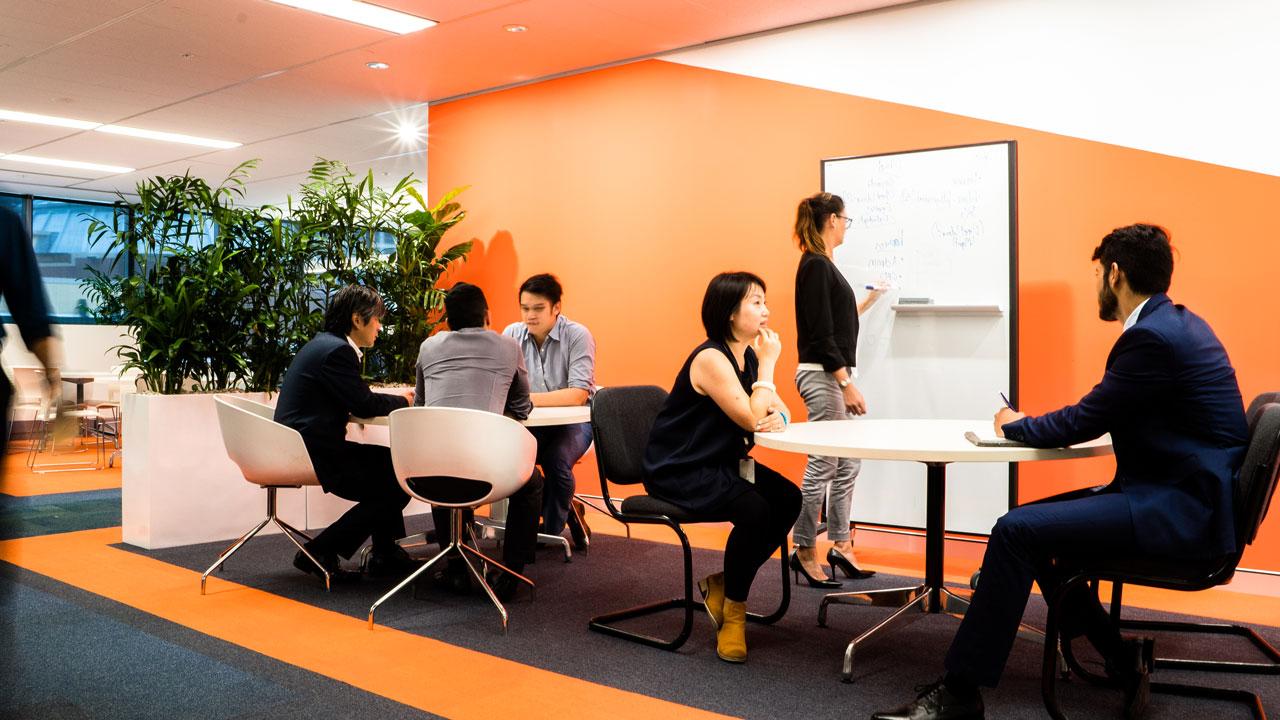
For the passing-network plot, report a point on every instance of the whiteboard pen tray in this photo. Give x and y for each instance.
(938, 309)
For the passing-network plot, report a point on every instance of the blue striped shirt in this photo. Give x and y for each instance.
(567, 358)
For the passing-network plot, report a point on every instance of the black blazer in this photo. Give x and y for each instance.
(826, 314)
(321, 389)
(1170, 400)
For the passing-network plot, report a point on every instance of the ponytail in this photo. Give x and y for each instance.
(811, 216)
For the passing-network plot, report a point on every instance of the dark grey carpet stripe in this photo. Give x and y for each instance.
(64, 512)
(794, 666)
(69, 654)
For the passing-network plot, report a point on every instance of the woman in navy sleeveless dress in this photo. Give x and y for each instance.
(697, 452)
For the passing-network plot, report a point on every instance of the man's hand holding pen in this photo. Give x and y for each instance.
(1006, 415)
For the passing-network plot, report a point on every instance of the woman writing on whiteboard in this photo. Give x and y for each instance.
(827, 332)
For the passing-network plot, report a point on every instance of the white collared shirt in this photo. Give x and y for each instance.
(359, 352)
(1133, 316)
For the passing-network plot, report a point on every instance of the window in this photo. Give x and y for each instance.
(15, 203)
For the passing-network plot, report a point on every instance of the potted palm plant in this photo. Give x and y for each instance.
(221, 296)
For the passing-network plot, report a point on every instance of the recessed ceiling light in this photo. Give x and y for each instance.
(26, 117)
(515, 28)
(364, 14)
(78, 165)
(409, 132)
(377, 65)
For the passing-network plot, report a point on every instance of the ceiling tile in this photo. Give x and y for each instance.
(28, 27)
(292, 85)
(19, 137)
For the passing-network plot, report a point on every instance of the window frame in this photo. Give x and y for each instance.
(28, 221)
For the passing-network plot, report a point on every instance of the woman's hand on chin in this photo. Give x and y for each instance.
(767, 344)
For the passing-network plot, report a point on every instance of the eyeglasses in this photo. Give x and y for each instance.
(848, 222)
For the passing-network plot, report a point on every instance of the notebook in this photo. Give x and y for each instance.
(991, 441)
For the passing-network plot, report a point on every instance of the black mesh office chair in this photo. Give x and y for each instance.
(1255, 485)
(621, 418)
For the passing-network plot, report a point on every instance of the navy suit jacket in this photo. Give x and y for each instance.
(1170, 400)
(321, 389)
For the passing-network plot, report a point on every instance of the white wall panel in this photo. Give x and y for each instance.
(1188, 78)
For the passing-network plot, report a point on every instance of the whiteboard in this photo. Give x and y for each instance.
(937, 224)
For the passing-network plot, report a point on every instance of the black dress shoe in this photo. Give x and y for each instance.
(798, 569)
(936, 702)
(504, 586)
(454, 578)
(579, 530)
(1131, 670)
(392, 563)
(330, 563)
(851, 571)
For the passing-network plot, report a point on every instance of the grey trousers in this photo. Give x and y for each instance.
(824, 477)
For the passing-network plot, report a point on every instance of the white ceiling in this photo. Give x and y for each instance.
(292, 85)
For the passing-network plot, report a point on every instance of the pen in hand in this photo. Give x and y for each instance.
(1008, 404)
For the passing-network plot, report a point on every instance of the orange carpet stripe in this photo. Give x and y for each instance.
(18, 481)
(420, 672)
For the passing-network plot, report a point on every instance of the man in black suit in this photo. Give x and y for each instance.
(322, 389)
(1170, 400)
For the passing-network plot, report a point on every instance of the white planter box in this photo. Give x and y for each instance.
(178, 485)
(180, 488)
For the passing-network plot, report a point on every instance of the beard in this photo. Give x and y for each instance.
(1108, 303)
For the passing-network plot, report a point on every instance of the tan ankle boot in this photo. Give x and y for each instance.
(712, 589)
(731, 640)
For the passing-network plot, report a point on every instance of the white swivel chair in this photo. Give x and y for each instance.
(268, 454)
(459, 459)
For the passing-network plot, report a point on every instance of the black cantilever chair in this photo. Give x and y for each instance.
(1254, 488)
(621, 418)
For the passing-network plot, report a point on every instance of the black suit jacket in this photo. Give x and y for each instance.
(321, 389)
(1170, 400)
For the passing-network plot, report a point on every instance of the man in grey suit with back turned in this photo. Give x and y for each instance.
(473, 367)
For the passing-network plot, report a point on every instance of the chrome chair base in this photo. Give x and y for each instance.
(912, 603)
(460, 549)
(497, 530)
(288, 530)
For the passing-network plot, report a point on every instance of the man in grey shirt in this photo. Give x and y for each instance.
(561, 357)
(472, 367)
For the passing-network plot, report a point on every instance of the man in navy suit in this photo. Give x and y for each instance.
(1170, 400)
(322, 389)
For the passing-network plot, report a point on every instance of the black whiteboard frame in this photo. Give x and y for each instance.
(1012, 146)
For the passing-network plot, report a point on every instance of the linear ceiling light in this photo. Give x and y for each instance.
(26, 117)
(364, 14)
(66, 163)
(18, 116)
(167, 136)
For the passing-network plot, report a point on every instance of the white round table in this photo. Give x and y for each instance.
(538, 417)
(935, 443)
(545, 416)
(375, 431)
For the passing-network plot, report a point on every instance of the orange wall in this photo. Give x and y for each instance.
(638, 183)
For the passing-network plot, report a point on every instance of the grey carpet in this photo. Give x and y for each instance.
(793, 668)
(71, 655)
(59, 513)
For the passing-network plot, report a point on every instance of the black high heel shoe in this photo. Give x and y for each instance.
(836, 560)
(818, 582)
